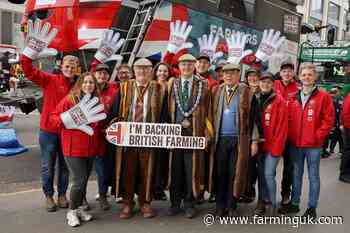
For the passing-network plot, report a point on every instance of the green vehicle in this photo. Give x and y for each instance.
(333, 63)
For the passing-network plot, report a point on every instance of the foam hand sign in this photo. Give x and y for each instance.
(38, 39)
(236, 43)
(87, 111)
(110, 43)
(207, 45)
(270, 42)
(179, 32)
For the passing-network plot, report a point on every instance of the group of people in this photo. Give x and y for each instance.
(249, 126)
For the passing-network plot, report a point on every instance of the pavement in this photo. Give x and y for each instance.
(22, 204)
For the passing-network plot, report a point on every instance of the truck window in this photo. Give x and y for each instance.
(241, 9)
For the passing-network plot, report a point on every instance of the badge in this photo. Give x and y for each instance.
(227, 111)
(310, 113)
(267, 118)
(186, 123)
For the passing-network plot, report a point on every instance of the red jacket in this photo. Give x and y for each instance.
(274, 120)
(55, 88)
(345, 114)
(211, 82)
(108, 95)
(309, 127)
(287, 92)
(76, 143)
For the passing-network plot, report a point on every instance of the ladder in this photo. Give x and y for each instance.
(141, 21)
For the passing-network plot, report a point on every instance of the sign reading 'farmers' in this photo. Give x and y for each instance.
(136, 134)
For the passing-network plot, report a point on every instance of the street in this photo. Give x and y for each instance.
(22, 207)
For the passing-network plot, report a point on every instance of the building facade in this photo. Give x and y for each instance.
(327, 12)
(10, 23)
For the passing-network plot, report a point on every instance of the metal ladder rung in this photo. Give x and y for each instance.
(131, 39)
(136, 25)
(142, 12)
(118, 29)
(125, 53)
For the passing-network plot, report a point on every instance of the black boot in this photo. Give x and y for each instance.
(310, 213)
(289, 209)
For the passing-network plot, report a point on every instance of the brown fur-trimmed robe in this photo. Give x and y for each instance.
(246, 124)
(202, 127)
(155, 106)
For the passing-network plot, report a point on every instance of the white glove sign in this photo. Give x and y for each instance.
(236, 43)
(85, 112)
(38, 39)
(207, 45)
(110, 44)
(179, 32)
(270, 42)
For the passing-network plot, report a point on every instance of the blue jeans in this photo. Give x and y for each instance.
(267, 165)
(50, 146)
(271, 163)
(100, 167)
(313, 157)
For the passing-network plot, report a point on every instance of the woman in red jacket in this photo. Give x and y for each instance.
(274, 120)
(80, 147)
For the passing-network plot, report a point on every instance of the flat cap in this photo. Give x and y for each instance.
(266, 75)
(102, 67)
(143, 62)
(230, 66)
(187, 57)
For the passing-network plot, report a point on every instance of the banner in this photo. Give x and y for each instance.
(152, 135)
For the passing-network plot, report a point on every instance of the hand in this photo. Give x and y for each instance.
(236, 43)
(179, 32)
(110, 44)
(270, 42)
(85, 112)
(207, 45)
(253, 149)
(38, 38)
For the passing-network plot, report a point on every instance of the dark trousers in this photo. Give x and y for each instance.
(252, 177)
(135, 175)
(105, 170)
(345, 159)
(225, 162)
(101, 172)
(181, 179)
(287, 177)
(335, 137)
(80, 170)
(161, 160)
(50, 147)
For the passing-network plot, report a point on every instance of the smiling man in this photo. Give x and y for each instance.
(311, 117)
(236, 133)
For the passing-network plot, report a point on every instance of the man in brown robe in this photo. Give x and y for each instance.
(188, 105)
(236, 133)
(139, 100)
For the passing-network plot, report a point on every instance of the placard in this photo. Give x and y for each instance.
(152, 135)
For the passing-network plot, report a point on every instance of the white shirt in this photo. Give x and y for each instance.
(145, 102)
(190, 80)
